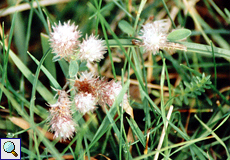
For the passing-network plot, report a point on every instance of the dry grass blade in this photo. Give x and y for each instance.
(26, 6)
(163, 132)
(26, 125)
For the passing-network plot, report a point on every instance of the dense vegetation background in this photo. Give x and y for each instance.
(179, 100)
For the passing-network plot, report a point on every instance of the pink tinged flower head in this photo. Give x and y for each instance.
(64, 39)
(60, 118)
(85, 102)
(87, 82)
(92, 49)
(109, 92)
(154, 35)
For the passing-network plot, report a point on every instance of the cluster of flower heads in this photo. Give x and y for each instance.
(65, 43)
(154, 37)
(91, 91)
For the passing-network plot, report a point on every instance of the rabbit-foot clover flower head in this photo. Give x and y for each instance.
(60, 118)
(87, 82)
(85, 102)
(154, 35)
(64, 39)
(108, 93)
(92, 49)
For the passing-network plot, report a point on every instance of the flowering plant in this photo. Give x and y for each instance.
(89, 89)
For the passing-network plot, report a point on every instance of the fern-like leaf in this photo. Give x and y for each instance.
(195, 88)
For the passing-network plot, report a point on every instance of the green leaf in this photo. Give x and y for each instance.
(42, 90)
(13, 102)
(64, 66)
(46, 72)
(137, 131)
(49, 64)
(126, 27)
(227, 12)
(73, 68)
(124, 42)
(214, 135)
(206, 50)
(178, 34)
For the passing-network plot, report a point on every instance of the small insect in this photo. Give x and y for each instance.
(136, 42)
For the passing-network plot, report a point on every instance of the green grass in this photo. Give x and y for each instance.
(193, 83)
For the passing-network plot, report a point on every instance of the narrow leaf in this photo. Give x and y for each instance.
(49, 64)
(46, 72)
(42, 90)
(136, 130)
(227, 12)
(73, 68)
(214, 135)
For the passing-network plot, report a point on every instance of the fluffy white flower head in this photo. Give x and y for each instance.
(89, 76)
(64, 128)
(154, 35)
(92, 49)
(64, 39)
(85, 102)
